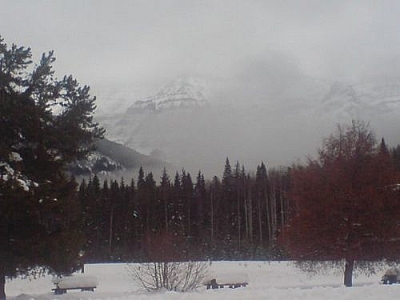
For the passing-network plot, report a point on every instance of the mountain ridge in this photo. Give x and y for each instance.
(279, 130)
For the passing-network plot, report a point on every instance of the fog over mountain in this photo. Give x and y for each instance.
(262, 80)
(284, 123)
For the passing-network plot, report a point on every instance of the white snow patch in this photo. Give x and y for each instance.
(275, 280)
(24, 184)
(227, 278)
(14, 156)
(75, 281)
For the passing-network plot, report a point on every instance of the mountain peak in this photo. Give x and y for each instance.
(180, 93)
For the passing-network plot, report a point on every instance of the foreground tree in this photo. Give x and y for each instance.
(347, 203)
(44, 125)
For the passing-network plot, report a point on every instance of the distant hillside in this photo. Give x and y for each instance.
(113, 160)
(126, 156)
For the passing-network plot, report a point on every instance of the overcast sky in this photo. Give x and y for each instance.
(260, 49)
(146, 41)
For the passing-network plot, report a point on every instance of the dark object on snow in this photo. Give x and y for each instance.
(214, 285)
(230, 280)
(391, 276)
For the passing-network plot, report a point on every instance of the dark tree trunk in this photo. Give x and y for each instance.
(260, 229)
(250, 212)
(239, 220)
(111, 231)
(4, 240)
(2, 287)
(212, 219)
(348, 272)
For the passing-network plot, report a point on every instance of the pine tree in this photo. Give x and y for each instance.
(114, 216)
(200, 200)
(141, 181)
(229, 207)
(239, 196)
(227, 175)
(45, 124)
(188, 202)
(152, 220)
(177, 206)
(129, 212)
(215, 220)
(266, 209)
(165, 193)
(383, 148)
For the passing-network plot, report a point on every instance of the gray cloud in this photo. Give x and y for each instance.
(141, 40)
(259, 51)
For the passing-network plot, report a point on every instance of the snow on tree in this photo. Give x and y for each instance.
(45, 124)
(344, 205)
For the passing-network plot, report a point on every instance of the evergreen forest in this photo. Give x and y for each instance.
(182, 217)
(241, 216)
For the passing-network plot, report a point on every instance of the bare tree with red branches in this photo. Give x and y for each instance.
(346, 204)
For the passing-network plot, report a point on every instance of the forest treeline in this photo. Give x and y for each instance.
(235, 217)
(238, 216)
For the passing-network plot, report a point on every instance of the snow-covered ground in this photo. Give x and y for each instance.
(275, 280)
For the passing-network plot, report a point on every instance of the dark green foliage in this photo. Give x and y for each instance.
(44, 125)
(204, 219)
(240, 216)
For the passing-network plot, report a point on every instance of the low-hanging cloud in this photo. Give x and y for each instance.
(265, 57)
(136, 41)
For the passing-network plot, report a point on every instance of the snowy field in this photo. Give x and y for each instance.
(275, 280)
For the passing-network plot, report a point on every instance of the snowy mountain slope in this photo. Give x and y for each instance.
(366, 99)
(375, 101)
(195, 125)
(341, 99)
(143, 124)
(181, 93)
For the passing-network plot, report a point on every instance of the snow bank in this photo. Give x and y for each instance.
(75, 281)
(266, 281)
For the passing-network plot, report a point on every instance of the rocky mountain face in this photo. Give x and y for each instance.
(366, 99)
(149, 124)
(189, 125)
(375, 101)
(181, 93)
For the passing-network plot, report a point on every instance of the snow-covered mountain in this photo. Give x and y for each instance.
(193, 125)
(367, 99)
(181, 93)
(375, 101)
(146, 123)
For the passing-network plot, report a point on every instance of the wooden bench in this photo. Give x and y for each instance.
(74, 282)
(227, 280)
(391, 276)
